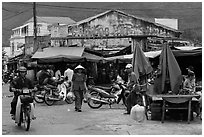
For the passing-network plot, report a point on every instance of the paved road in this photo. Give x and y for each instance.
(61, 119)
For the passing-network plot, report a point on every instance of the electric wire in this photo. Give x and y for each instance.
(16, 14)
(72, 7)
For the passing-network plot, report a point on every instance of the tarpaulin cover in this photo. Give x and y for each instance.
(59, 52)
(140, 63)
(150, 54)
(180, 51)
(64, 54)
(170, 70)
(91, 57)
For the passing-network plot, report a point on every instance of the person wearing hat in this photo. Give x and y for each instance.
(16, 87)
(189, 83)
(78, 86)
(190, 86)
(132, 81)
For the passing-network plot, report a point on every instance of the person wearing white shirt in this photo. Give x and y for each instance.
(68, 74)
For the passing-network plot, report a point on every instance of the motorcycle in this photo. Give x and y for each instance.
(23, 110)
(8, 77)
(39, 94)
(99, 96)
(62, 92)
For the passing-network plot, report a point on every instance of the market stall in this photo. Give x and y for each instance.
(64, 54)
(168, 94)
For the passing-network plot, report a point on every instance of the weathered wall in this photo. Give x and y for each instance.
(42, 41)
(111, 24)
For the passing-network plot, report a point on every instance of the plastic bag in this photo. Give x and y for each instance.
(71, 95)
(138, 113)
(87, 96)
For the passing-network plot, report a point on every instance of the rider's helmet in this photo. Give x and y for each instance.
(22, 69)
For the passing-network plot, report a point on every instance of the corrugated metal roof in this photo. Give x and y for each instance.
(121, 12)
(53, 20)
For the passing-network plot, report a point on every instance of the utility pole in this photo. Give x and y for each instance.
(35, 47)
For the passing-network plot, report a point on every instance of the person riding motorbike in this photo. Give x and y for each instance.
(50, 82)
(16, 86)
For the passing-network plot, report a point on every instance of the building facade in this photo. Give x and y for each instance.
(112, 31)
(17, 40)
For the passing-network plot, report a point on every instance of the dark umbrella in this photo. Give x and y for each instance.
(141, 65)
(170, 70)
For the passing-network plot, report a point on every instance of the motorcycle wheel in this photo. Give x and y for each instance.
(48, 101)
(27, 120)
(93, 103)
(69, 100)
(38, 99)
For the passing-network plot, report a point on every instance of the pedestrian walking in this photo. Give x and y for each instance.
(78, 86)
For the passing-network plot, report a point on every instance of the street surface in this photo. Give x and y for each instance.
(61, 119)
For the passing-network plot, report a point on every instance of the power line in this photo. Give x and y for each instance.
(95, 9)
(72, 7)
(7, 10)
(15, 15)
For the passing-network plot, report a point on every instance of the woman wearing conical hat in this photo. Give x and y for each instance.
(79, 86)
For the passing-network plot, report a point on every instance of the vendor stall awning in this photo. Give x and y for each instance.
(59, 52)
(91, 57)
(178, 51)
(151, 54)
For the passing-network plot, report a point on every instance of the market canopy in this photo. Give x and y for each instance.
(170, 70)
(59, 54)
(177, 51)
(141, 65)
(150, 54)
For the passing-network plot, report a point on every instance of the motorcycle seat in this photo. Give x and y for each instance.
(104, 88)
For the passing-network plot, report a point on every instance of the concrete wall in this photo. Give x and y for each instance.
(110, 24)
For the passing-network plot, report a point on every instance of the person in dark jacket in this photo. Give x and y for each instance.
(78, 86)
(16, 87)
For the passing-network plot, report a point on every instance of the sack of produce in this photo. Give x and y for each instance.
(138, 113)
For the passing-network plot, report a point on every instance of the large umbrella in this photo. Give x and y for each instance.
(141, 65)
(170, 70)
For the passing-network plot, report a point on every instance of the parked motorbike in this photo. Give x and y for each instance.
(59, 93)
(8, 77)
(25, 110)
(39, 94)
(99, 96)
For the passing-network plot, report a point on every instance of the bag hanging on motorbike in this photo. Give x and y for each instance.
(138, 113)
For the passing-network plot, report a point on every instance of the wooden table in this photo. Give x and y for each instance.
(173, 99)
(177, 99)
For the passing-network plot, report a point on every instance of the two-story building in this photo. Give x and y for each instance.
(18, 38)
